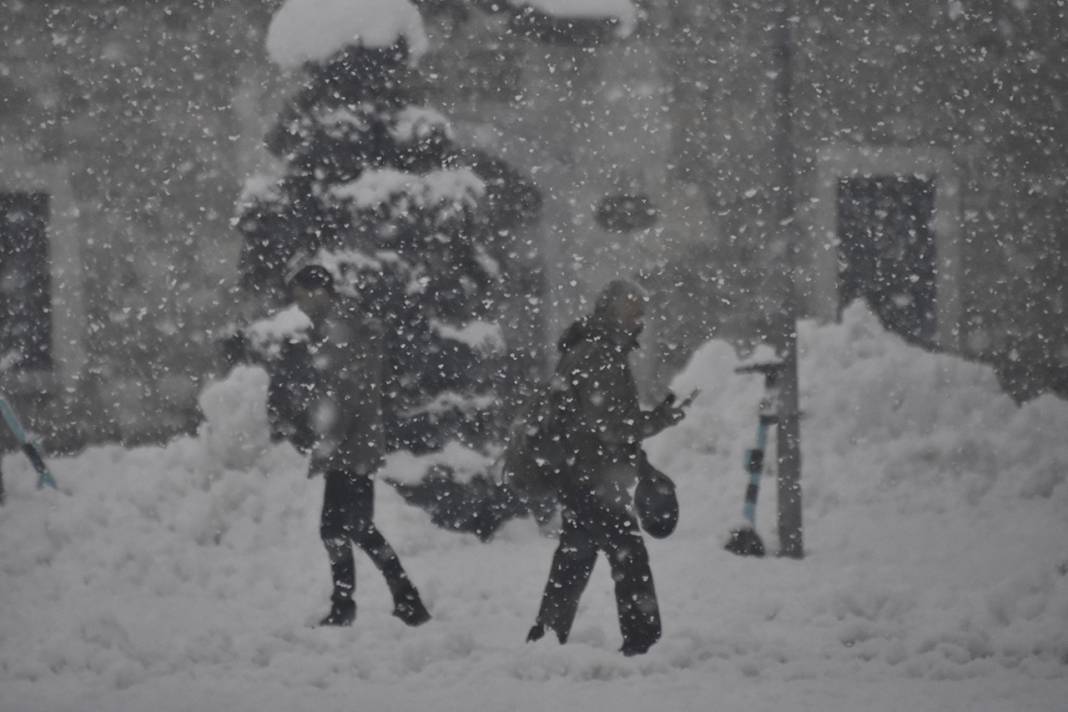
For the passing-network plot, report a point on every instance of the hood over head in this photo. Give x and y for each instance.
(605, 322)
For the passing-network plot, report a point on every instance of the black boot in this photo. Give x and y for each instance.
(536, 633)
(411, 610)
(342, 613)
(630, 649)
(407, 605)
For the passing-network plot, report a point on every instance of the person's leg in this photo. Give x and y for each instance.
(636, 604)
(335, 528)
(407, 605)
(572, 565)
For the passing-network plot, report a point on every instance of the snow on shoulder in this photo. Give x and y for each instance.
(315, 30)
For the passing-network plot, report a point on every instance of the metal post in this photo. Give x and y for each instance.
(789, 435)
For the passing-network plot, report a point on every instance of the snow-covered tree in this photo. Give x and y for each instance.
(373, 186)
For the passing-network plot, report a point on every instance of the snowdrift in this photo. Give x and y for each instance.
(936, 573)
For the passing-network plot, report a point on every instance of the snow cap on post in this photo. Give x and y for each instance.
(315, 30)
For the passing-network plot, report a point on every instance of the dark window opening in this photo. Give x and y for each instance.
(25, 283)
(887, 251)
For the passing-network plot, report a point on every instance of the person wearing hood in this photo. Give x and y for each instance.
(603, 437)
(326, 398)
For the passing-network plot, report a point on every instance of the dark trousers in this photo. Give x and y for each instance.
(347, 519)
(613, 530)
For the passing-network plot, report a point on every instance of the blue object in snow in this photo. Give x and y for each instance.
(44, 477)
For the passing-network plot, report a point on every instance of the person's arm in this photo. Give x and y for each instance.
(661, 417)
(606, 400)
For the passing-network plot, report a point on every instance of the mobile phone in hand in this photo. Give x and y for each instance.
(690, 398)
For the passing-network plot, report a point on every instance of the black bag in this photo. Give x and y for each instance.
(536, 453)
(655, 501)
(289, 390)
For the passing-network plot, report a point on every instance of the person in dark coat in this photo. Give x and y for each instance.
(605, 428)
(326, 398)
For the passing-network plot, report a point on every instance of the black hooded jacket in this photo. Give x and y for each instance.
(605, 421)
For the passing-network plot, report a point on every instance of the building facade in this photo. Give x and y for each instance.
(930, 180)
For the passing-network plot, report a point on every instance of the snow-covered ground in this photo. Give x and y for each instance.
(189, 577)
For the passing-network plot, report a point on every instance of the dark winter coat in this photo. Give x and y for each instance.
(605, 421)
(326, 393)
(605, 427)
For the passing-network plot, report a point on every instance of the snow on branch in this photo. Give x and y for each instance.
(418, 122)
(489, 265)
(453, 401)
(337, 262)
(340, 122)
(266, 336)
(354, 269)
(315, 30)
(456, 186)
(259, 188)
(453, 185)
(463, 462)
(482, 336)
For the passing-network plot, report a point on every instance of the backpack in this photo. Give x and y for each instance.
(536, 454)
(289, 390)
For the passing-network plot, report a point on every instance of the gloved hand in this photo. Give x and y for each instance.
(665, 415)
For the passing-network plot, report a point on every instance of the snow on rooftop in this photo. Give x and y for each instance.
(315, 30)
(621, 10)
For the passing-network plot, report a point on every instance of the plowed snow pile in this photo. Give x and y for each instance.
(189, 577)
